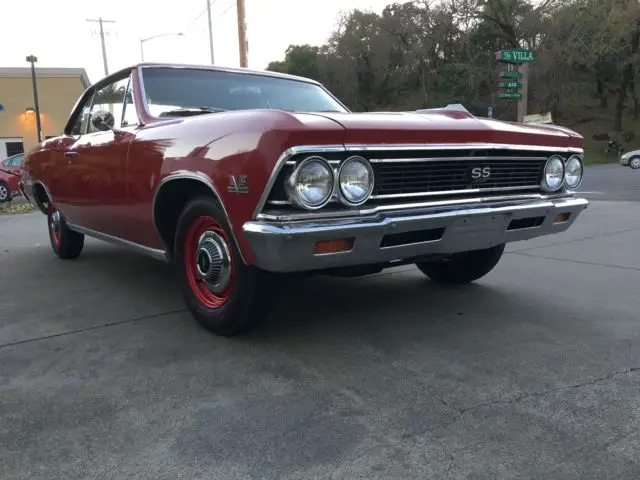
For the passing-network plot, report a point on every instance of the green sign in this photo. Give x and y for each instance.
(515, 55)
(510, 84)
(511, 74)
(509, 95)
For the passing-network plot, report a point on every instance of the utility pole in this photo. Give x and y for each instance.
(104, 49)
(210, 29)
(242, 34)
(32, 59)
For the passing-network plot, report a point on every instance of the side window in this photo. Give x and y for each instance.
(17, 161)
(109, 98)
(81, 123)
(129, 116)
(6, 163)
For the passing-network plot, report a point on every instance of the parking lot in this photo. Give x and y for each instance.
(532, 372)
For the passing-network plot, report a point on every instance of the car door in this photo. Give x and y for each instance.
(96, 169)
(15, 166)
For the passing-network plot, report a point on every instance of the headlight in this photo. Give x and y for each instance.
(311, 184)
(553, 175)
(573, 172)
(355, 180)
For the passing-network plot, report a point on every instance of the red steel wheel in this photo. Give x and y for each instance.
(66, 243)
(224, 294)
(208, 262)
(55, 225)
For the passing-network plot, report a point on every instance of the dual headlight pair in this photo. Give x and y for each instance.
(557, 172)
(314, 182)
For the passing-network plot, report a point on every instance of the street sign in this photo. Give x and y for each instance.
(509, 95)
(510, 84)
(511, 74)
(515, 55)
(538, 118)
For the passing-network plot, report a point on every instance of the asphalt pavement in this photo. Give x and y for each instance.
(532, 372)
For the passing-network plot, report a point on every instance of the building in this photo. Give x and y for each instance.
(58, 91)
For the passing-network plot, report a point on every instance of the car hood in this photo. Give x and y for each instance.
(446, 127)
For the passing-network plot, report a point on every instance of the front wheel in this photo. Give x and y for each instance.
(5, 195)
(463, 267)
(66, 243)
(226, 296)
(635, 163)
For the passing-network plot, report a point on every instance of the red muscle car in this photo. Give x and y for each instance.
(10, 177)
(238, 176)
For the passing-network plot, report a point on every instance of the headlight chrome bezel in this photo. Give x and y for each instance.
(579, 159)
(342, 197)
(544, 185)
(292, 181)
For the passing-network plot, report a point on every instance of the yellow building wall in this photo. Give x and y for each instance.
(56, 97)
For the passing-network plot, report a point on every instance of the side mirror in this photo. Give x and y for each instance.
(103, 120)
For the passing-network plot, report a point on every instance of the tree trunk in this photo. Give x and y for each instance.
(601, 95)
(627, 79)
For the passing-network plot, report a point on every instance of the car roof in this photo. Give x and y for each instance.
(246, 71)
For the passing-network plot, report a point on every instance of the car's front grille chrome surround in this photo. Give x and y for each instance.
(431, 173)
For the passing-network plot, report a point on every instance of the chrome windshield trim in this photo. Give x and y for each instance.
(280, 163)
(289, 217)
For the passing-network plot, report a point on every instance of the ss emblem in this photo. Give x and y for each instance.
(479, 173)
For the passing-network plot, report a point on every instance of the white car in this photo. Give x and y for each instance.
(631, 159)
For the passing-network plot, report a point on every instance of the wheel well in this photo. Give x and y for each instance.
(41, 198)
(170, 202)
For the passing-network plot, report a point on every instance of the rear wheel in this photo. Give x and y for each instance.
(226, 296)
(5, 196)
(463, 267)
(66, 243)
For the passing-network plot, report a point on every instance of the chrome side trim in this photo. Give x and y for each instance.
(440, 193)
(459, 146)
(200, 177)
(280, 164)
(346, 214)
(150, 252)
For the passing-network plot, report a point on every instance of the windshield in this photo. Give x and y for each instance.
(171, 91)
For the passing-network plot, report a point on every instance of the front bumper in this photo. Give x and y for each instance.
(410, 233)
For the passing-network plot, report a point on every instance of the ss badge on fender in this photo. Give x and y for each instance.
(238, 184)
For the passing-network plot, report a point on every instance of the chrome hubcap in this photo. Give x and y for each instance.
(213, 261)
(54, 224)
(3, 192)
(635, 162)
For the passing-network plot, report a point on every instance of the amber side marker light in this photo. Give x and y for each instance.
(561, 218)
(333, 246)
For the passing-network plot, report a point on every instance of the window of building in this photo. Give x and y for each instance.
(13, 148)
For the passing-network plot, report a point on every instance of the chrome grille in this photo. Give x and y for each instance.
(426, 177)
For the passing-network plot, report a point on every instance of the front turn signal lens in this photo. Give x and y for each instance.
(333, 246)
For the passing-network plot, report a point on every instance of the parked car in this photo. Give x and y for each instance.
(630, 159)
(10, 184)
(237, 177)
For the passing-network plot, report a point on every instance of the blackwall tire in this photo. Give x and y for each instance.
(66, 243)
(224, 295)
(5, 195)
(464, 267)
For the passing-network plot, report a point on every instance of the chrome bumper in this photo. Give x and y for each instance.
(414, 233)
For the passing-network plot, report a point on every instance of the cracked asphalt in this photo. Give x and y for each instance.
(532, 372)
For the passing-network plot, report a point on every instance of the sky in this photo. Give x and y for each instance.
(58, 34)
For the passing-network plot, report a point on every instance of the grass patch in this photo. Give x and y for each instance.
(14, 208)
